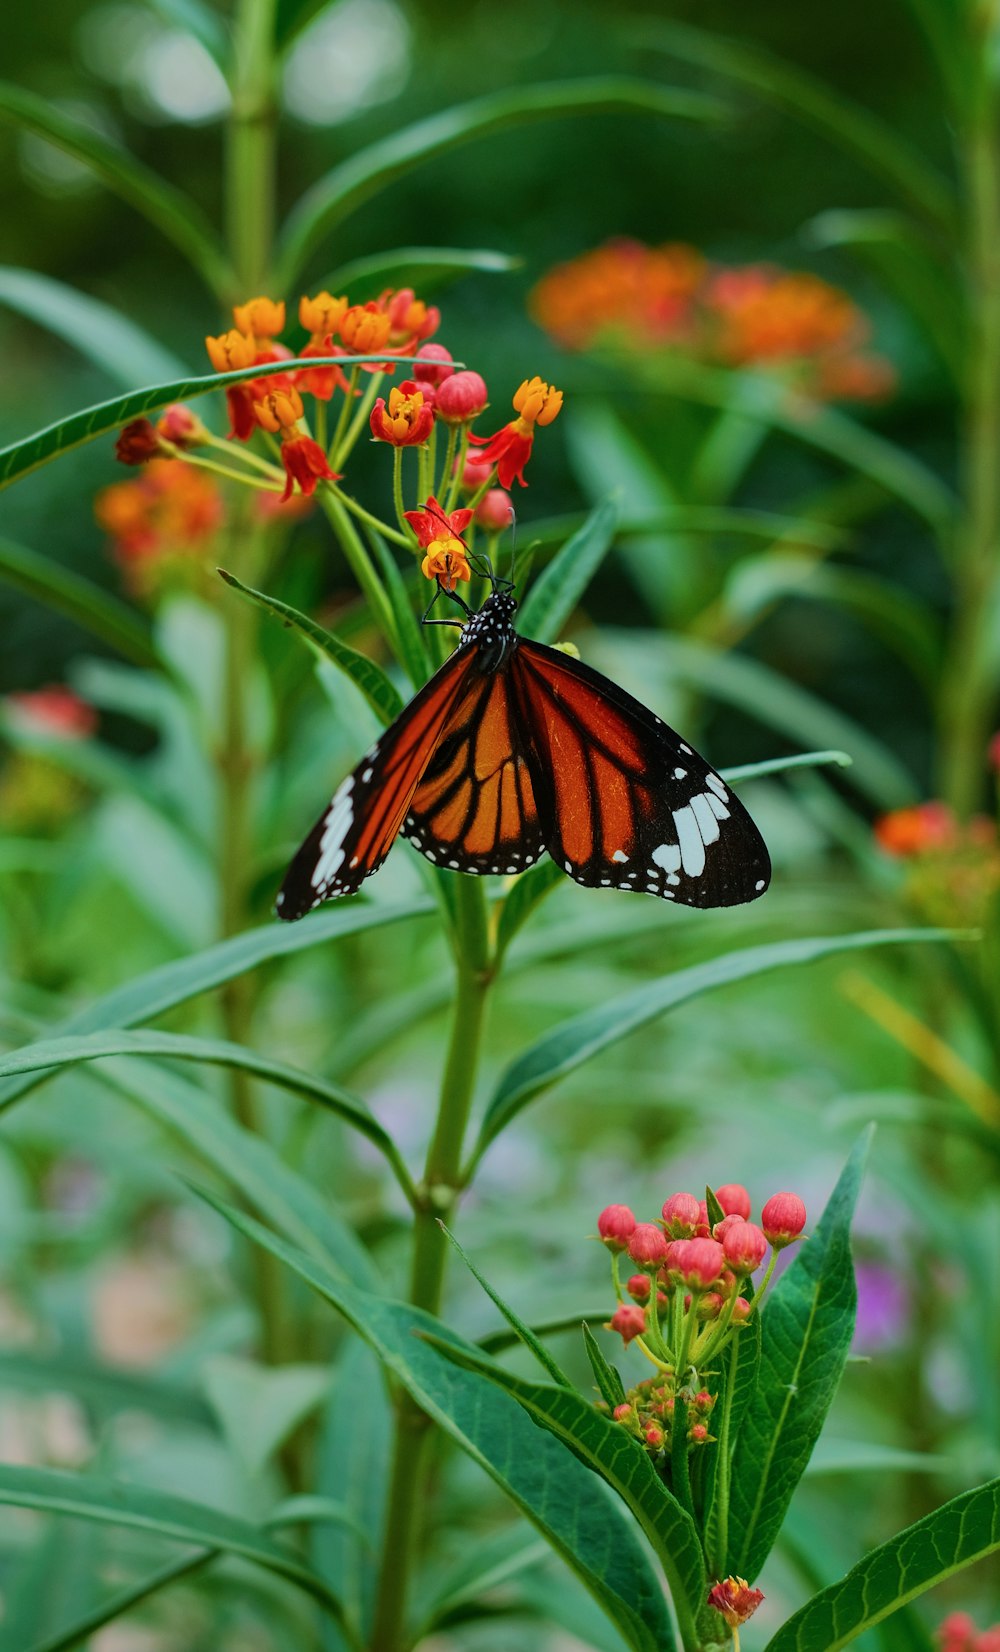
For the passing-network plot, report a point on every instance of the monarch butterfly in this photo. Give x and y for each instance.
(513, 749)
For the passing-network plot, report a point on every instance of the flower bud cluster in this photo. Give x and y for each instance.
(958, 1633)
(691, 1293)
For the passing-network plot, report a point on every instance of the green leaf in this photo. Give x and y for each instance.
(106, 337)
(742, 1366)
(103, 1387)
(173, 212)
(430, 268)
(115, 1605)
(353, 1457)
(51, 1054)
(556, 592)
(245, 1161)
(21, 458)
(176, 983)
(529, 889)
(807, 1324)
(410, 642)
(259, 1406)
(620, 1461)
(550, 1486)
(176, 1519)
(788, 87)
(734, 679)
(605, 1375)
(965, 1530)
(523, 1332)
(79, 599)
(363, 672)
(340, 192)
(560, 1052)
(494, 1342)
(777, 765)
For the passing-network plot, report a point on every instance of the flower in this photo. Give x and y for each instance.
(699, 1262)
(616, 1224)
(438, 368)
(734, 1199)
(735, 1599)
(914, 831)
(159, 521)
(447, 558)
(138, 443)
(744, 1245)
(624, 290)
(54, 710)
(410, 320)
(461, 397)
(408, 419)
(494, 511)
(305, 463)
(321, 382)
(260, 317)
(681, 1215)
(180, 427)
(322, 315)
(629, 1320)
(647, 1245)
(510, 448)
(279, 410)
(233, 351)
(783, 1218)
(364, 329)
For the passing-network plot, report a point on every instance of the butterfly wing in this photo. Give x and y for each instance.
(624, 801)
(355, 832)
(474, 808)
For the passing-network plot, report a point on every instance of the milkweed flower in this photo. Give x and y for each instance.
(535, 402)
(304, 460)
(735, 1600)
(229, 353)
(260, 317)
(160, 522)
(461, 398)
(914, 831)
(364, 330)
(410, 320)
(447, 558)
(321, 316)
(494, 511)
(406, 421)
(137, 443)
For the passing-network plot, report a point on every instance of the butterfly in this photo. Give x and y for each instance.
(513, 750)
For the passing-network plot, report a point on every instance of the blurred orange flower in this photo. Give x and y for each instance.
(164, 517)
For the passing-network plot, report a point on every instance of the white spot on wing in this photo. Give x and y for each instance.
(620, 855)
(667, 855)
(717, 807)
(679, 774)
(717, 784)
(691, 846)
(708, 826)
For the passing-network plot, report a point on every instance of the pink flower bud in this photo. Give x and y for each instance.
(178, 425)
(474, 472)
(703, 1230)
(614, 1225)
(647, 1245)
(428, 389)
(703, 1401)
(639, 1287)
(722, 1228)
(783, 1218)
(710, 1305)
(461, 397)
(438, 368)
(654, 1436)
(494, 511)
(681, 1215)
(700, 1260)
(734, 1199)
(622, 1413)
(628, 1320)
(741, 1312)
(745, 1247)
(697, 1433)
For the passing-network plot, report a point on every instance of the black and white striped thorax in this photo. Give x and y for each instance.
(493, 630)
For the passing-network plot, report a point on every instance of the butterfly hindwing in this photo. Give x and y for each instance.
(626, 803)
(358, 827)
(474, 809)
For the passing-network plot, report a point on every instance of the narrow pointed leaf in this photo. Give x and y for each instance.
(550, 1486)
(363, 672)
(177, 1519)
(806, 1329)
(174, 213)
(176, 983)
(106, 337)
(560, 1052)
(605, 1375)
(523, 1332)
(410, 640)
(741, 1367)
(340, 192)
(21, 458)
(965, 1530)
(556, 592)
(528, 890)
(434, 266)
(876, 145)
(777, 765)
(79, 599)
(54, 1053)
(121, 1601)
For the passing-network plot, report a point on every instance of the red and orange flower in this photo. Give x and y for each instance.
(439, 534)
(535, 402)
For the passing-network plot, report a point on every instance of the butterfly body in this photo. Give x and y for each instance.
(514, 749)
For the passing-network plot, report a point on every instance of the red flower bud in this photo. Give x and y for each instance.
(655, 1436)
(734, 1199)
(703, 1230)
(647, 1245)
(745, 1246)
(697, 1433)
(437, 369)
(628, 1320)
(700, 1261)
(614, 1225)
(461, 397)
(622, 1413)
(639, 1287)
(137, 443)
(494, 511)
(741, 1312)
(993, 753)
(181, 427)
(681, 1213)
(474, 472)
(783, 1218)
(722, 1228)
(710, 1305)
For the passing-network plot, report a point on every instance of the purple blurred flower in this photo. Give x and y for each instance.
(883, 1307)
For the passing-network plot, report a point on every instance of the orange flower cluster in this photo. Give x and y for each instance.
(159, 521)
(640, 298)
(953, 873)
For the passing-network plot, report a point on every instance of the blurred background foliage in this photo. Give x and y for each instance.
(133, 1324)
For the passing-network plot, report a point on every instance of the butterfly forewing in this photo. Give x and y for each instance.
(627, 803)
(358, 828)
(474, 809)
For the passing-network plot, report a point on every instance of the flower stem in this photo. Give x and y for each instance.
(360, 563)
(250, 146)
(397, 487)
(441, 1187)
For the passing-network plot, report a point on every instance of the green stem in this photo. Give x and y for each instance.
(360, 563)
(397, 487)
(383, 528)
(445, 489)
(680, 1479)
(718, 1532)
(441, 1188)
(344, 415)
(968, 675)
(250, 146)
(359, 420)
